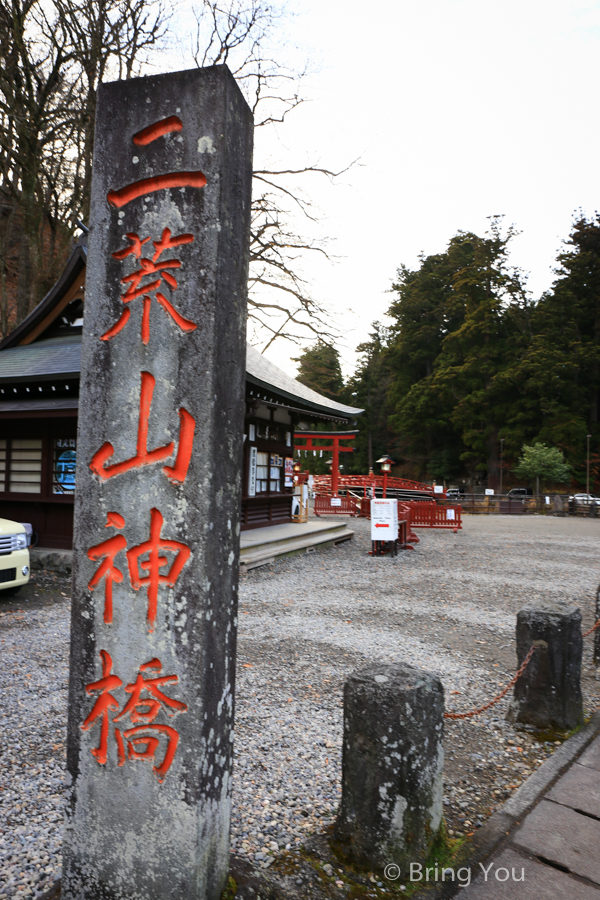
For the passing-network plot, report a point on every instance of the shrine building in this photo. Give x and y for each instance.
(39, 405)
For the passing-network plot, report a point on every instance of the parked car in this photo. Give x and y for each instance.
(14, 557)
(519, 492)
(584, 499)
(453, 494)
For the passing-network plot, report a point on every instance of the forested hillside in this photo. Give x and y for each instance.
(470, 361)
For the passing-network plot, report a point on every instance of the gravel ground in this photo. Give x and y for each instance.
(305, 623)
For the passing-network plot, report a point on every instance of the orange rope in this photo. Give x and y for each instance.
(503, 693)
(597, 625)
(476, 712)
(593, 628)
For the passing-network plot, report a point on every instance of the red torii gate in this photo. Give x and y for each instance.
(335, 447)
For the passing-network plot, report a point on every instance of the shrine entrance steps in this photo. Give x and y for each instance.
(261, 546)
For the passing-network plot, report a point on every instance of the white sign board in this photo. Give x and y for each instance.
(489, 492)
(438, 489)
(384, 520)
(450, 517)
(252, 472)
(547, 501)
(336, 501)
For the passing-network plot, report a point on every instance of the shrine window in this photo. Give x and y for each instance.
(262, 473)
(275, 479)
(24, 458)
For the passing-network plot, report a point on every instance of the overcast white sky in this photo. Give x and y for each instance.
(458, 110)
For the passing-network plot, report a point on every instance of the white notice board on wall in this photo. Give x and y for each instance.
(252, 472)
(384, 520)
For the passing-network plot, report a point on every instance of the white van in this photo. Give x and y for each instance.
(14, 557)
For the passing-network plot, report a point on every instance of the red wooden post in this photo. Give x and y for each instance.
(335, 468)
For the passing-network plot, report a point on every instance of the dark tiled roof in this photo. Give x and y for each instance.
(264, 373)
(59, 356)
(73, 270)
(12, 406)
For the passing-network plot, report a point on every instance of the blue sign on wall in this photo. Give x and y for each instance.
(65, 470)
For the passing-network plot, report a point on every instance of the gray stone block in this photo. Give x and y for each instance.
(155, 570)
(60, 561)
(597, 631)
(563, 837)
(537, 784)
(591, 757)
(392, 765)
(548, 694)
(579, 788)
(540, 882)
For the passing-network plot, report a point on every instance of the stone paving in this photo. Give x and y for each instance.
(555, 851)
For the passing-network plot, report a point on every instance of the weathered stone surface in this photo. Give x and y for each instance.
(563, 837)
(540, 882)
(591, 757)
(597, 631)
(548, 694)
(579, 788)
(60, 561)
(535, 786)
(392, 764)
(162, 394)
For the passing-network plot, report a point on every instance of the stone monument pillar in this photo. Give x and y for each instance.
(158, 491)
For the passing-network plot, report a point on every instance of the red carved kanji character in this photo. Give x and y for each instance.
(153, 547)
(150, 268)
(103, 704)
(158, 182)
(142, 740)
(144, 457)
(107, 550)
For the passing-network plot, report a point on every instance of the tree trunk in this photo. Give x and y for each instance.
(493, 468)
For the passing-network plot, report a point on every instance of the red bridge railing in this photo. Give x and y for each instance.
(430, 515)
(364, 483)
(331, 506)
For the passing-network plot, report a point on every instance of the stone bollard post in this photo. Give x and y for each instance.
(392, 765)
(548, 694)
(597, 631)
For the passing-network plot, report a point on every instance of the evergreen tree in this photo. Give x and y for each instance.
(559, 376)
(368, 389)
(457, 329)
(319, 368)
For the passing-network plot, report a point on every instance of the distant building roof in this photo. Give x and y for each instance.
(53, 357)
(263, 373)
(61, 357)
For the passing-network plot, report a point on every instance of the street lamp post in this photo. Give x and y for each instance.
(386, 466)
(501, 458)
(587, 467)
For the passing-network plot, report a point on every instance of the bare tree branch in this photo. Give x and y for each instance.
(246, 35)
(53, 56)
